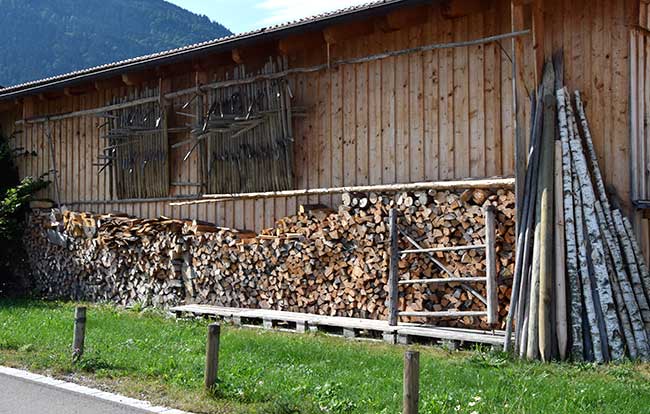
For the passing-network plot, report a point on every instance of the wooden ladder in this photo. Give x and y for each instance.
(394, 281)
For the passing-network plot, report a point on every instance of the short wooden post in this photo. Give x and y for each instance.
(212, 355)
(491, 266)
(79, 333)
(411, 382)
(393, 286)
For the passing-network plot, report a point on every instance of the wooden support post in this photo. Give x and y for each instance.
(393, 286)
(79, 333)
(411, 382)
(212, 355)
(491, 266)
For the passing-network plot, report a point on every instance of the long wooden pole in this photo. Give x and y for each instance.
(546, 219)
(491, 266)
(393, 286)
(560, 259)
(492, 183)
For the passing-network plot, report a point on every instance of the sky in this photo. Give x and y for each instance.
(254, 14)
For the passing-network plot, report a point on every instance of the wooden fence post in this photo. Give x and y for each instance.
(79, 333)
(212, 355)
(393, 294)
(411, 382)
(491, 266)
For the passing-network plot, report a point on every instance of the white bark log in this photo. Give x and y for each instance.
(591, 311)
(575, 289)
(633, 269)
(603, 285)
(593, 161)
(640, 258)
(626, 306)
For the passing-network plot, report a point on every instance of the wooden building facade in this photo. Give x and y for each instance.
(391, 92)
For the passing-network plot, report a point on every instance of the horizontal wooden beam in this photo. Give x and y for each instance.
(138, 78)
(404, 18)
(443, 280)
(460, 8)
(342, 32)
(301, 43)
(443, 314)
(431, 185)
(111, 83)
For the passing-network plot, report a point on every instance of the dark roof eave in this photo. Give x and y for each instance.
(226, 45)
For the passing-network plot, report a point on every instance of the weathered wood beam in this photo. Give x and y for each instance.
(79, 89)
(538, 38)
(254, 54)
(137, 78)
(300, 43)
(8, 105)
(110, 83)
(212, 61)
(342, 32)
(405, 17)
(459, 8)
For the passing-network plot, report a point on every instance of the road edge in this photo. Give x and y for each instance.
(71, 387)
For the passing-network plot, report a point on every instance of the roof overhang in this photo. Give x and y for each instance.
(274, 33)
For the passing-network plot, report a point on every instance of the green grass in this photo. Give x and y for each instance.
(146, 355)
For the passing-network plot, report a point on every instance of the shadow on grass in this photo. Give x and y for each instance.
(31, 304)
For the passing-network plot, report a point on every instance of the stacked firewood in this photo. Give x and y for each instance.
(581, 286)
(321, 261)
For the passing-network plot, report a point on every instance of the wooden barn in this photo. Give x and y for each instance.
(243, 130)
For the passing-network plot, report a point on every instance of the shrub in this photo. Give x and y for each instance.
(14, 199)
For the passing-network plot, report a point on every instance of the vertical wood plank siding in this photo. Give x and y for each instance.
(435, 115)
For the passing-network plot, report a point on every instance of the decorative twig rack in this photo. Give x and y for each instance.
(137, 151)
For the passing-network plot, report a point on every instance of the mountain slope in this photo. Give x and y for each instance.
(43, 38)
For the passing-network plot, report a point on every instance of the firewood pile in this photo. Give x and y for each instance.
(581, 284)
(321, 261)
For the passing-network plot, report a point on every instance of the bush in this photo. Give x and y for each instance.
(14, 199)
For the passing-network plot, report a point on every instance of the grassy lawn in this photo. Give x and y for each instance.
(147, 355)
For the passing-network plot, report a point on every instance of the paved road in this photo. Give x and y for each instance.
(19, 396)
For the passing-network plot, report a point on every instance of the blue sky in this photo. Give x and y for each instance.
(245, 15)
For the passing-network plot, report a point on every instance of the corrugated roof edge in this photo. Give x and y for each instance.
(186, 51)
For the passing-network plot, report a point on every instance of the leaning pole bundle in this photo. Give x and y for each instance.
(581, 287)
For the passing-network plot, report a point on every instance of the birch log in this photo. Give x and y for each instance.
(588, 293)
(640, 258)
(632, 267)
(620, 282)
(603, 285)
(560, 271)
(575, 290)
(593, 160)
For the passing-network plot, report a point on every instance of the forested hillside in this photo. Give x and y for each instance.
(43, 38)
